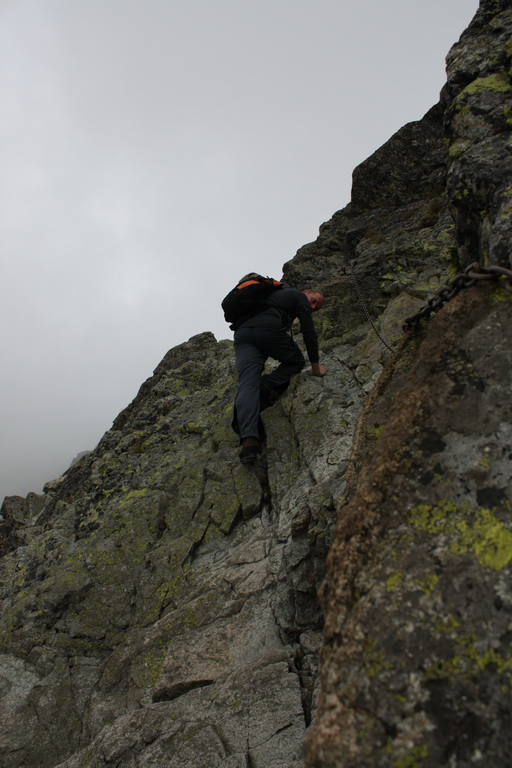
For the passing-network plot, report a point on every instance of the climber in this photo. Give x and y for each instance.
(266, 335)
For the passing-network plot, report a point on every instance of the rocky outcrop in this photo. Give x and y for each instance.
(160, 600)
(162, 607)
(478, 125)
(417, 656)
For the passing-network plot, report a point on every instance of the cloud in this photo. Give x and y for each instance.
(154, 152)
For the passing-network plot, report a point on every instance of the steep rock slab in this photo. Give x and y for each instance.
(163, 605)
(416, 664)
(417, 661)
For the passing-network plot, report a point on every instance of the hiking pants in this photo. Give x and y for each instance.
(252, 348)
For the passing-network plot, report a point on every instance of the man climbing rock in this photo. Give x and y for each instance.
(266, 334)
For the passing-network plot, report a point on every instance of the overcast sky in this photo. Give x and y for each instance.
(152, 152)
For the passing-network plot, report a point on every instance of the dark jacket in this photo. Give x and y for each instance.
(283, 307)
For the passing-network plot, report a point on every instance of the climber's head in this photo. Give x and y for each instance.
(315, 298)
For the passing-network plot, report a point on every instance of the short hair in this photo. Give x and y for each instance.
(317, 293)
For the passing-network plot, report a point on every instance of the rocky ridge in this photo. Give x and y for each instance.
(159, 602)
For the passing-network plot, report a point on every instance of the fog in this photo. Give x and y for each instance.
(152, 153)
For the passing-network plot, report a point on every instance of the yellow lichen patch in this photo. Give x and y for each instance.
(479, 531)
(485, 461)
(148, 668)
(448, 624)
(497, 82)
(375, 658)
(414, 758)
(488, 538)
(467, 661)
(428, 583)
(131, 495)
(500, 294)
(394, 581)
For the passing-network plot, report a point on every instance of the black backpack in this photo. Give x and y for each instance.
(248, 298)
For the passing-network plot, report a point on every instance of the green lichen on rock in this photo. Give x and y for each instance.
(498, 82)
(501, 294)
(376, 659)
(414, 757)
(468, 661)
(428, 583)
(394, 581)
(469, 530)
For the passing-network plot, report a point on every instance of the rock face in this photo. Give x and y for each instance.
(417, 656)
(160, 601)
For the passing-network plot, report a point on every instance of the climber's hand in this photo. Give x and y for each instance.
(318, 370)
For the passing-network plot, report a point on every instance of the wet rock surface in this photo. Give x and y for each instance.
(160, 600)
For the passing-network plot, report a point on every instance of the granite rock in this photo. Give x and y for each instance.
(160, 601)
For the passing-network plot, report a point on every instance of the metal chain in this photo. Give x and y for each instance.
(460, 282)
(360, 296)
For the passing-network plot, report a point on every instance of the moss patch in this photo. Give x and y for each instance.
(499, 83)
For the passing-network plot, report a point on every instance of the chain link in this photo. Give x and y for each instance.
(463, 280)
(460, 282)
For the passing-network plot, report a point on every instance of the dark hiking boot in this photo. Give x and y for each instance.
(250, 449)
